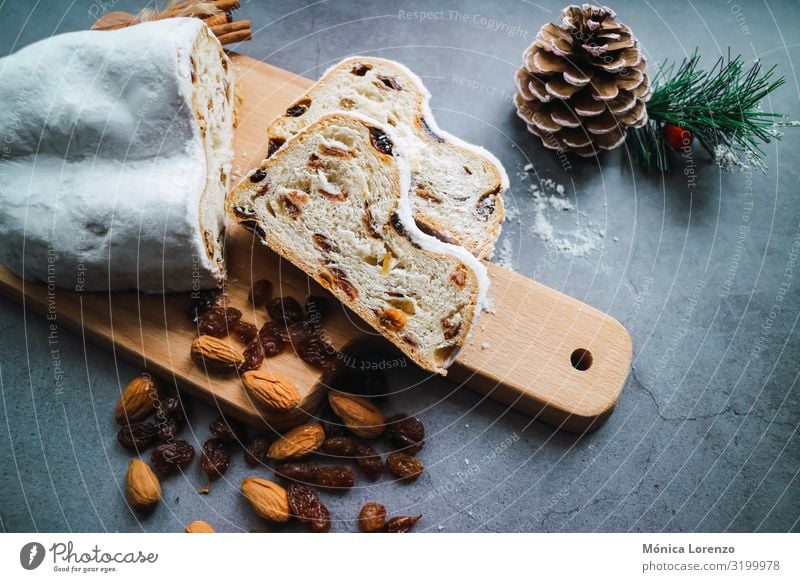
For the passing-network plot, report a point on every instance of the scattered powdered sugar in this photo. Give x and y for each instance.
(503, 256)
(552, 209)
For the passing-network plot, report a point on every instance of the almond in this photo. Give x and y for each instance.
(268, 499)
(271, 391)
(299, 442)
(137, 399)
(359, 415)
(142, 486)
(215, 354)
(199, 526)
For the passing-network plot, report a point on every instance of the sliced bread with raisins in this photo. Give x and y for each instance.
(334, 201)
(456, 188)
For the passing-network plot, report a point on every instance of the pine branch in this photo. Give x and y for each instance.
(720, 107)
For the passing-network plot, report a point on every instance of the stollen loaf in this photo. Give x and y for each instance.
(456, 188)
(334, 201)
(115, 156)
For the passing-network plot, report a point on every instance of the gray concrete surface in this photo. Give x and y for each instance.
(705, 436)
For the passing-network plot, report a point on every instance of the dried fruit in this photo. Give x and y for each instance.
(392, 319)
(317, 352)
(261, 292)
(298, 332)
(256, 451)
(285, 309)
(372, 517)
(406, 432)
(245, 332)
(380, 141)
(215, 354)
(268, 499)
(360, 416)
(199, 526)
(304, 503)
(216, 458)
(168, 429)
(404, 466)
(137, 436)
(253, 356)
(334, 477)
(299, 442)
(141, 486)
(401, 524)
(170, 457)
(218, 321)
(299, 108)
(231, 431)
(297, 471)
(339, 446)
(202, 301)
(172, 407)
(369, 461)
(272, 391)
(136, 400)
(258, 176)
(270, 337)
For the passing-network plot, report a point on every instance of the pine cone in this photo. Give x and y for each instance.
(583, 83)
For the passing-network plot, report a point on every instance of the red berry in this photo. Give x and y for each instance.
(677, 137)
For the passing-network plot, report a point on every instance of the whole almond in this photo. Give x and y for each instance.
(215, 354)
(299, 442)
(199, 526)
(142, 486)
(271, 391)
(137, 399)
(268, 499)
(359, 415)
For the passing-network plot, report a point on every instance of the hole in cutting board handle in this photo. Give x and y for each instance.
(581, 359)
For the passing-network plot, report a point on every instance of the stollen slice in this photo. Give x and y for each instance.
(456, 188)
(334, 201)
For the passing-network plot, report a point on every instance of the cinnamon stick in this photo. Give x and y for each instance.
(236, 26)
(216, 19)
(237, 36)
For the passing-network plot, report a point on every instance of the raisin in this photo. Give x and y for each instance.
(324, 243)
(217, 322)
(299, 108)
(317, 352)
(404, 466)
(380, 141)
(342, 282)
(270, 337)
(297, 471)
(245, 332)
(169, 458)
(255, 453)
(168, 429)
(390, 82)
(397, 224)
(137, 436)
(402, 524)
(333, 428)
(216, 458)
(258, 175)
(339, 446)
(202, 301)
(253, 356)
(334, 477)
(360, 70)
(297, 332)
(260, 292)
(285, 309)
(304, 503)
(369, 461)
(429, 132)
(290, 207)
(372, 517)
(275, 143)
(230, 431)
(318, 308)
(406, 432)
(171, 408)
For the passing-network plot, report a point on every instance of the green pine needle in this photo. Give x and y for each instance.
(720, 107)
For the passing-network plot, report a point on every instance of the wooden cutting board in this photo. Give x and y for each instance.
(539, 351)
